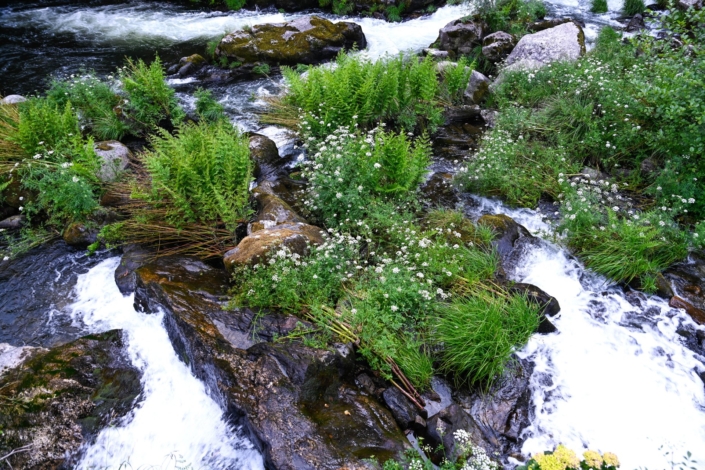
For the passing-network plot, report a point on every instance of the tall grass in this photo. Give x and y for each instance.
(632, 7)
(202, 173)
(599, 6)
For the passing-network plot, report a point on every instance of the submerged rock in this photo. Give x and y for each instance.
(305, 40)
(563, 42)
(59, 399)
(299, 406)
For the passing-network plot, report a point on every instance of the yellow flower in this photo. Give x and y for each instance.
(611, 459)
(566, 457)
(548, 462)
(592, 459)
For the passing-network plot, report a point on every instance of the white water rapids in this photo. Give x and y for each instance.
(176, 423)
(615, 377)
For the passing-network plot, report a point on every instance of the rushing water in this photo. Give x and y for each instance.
(176, 422)
(616, 376)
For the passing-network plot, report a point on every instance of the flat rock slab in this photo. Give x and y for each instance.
(563, 42)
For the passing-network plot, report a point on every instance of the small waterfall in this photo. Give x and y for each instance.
(176, 423)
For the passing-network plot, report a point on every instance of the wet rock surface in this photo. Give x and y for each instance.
(80, 235)
(35, 288)
(306, 40)
(300, 406)
(685, 282)
(59, 399)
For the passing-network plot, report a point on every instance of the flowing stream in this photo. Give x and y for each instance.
(615, 377)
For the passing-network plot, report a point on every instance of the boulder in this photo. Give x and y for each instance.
(13, 99)
(506, 230)
(459, 37)
(548, 305)
(687, 4)
(300, 406)
(497, 46)
(477, 89)
(255, 248)
(190, 64)
(12, 223)
(272, 211)
(636, 23)
(265, 155)
(685, 281)
(402, 409)
(305, 40)
(436, 53)
(63, 397)
(133, 258)
(442, 426)
(563, 42)
(697, 314)
(79, 235)
(15, 196)
(115, 157)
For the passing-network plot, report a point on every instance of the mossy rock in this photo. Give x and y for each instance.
(306, 40)
(58, 399)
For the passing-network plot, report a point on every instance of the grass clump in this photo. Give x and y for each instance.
(632, 7)
(207, 107)
(599, 6)
(400, 91)
(511, 16)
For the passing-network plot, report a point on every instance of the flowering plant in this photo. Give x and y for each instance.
(563, 458)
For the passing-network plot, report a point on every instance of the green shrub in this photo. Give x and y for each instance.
(480, 333)
(511, 16)
(339, 7)
(349, 170)
(599, 6)
(394, 12)
(44, 125)
(235, 4)
(207, 107)
(632, 7)
(400, 91)
(211, 46)
(261, 69)
(202, 174)
(149, 99)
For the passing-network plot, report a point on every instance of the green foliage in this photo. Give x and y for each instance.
(455, 80)
(235, 4)
(202, 174)
(261, 69)
(149, 99)
(211, 46)
(511, 16)
(394, 12)
(479, 334)
(632, 7)
(349, 170)
(400, 91)
(44, 125)
(207, 107)
(599, 6)
(339, 7)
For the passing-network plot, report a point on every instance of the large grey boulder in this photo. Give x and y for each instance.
(497, 46)
(13, 99)
(477, 89)
(115, 158)
(563, 42)
(459, 38)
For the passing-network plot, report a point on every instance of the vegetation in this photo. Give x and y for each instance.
(400, 91)
(511, 16)
(207, 107)
(622, 112)
(632, 7)
(599, 6)
(563, 458)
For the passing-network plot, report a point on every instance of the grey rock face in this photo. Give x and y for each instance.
(477, 89)
(564, 42)
(459, 38)
(497, 46)
(13, 99)
(116, 158)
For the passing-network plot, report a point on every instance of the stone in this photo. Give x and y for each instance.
(64, 397)
(133, 258)
(115, 159)
(506, 230)
(497, 46)
(305, 40)
(563, 42)
(687, 4)
(449, 420)
(697, 314)
(265, 155)
(79, 234)
(300, 406)
(477, 89)
(548, 305)
(436, 53)
(459, 38)
(13, 99)
(13, 222)
(439, 190)
(546, 24)
(402, 409)
(255, 248)
(636, 23)
(272, 211)
(686, 280)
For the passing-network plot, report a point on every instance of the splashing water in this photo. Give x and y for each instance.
(176, 420)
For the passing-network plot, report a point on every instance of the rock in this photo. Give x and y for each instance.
(686, 280)
(696, 313)
(477, 89)
(13, 99)
(402, 409)
(13, 223)
(507, 232)
(439, 190)
(79, 235)
(272, 212)
(133, 257)
(190, 64)
(287, 5)
(12, 356)
(299, 406)
(461, 114)
(15, 196)
(546, 24)
(436, 53)
(292, 191)
(63, 398)
(255, 248)
(636, 23)
(459, 38)
(564, 42)
(687, 4)
(497, 46)
(549, 306)
(305, 40)
(448, 421)
(116, 158)
(265, 155)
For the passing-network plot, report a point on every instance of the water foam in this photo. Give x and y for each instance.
(176, 423)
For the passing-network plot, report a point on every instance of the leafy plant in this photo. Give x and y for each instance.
(599, 6)
(207, 107)
(563, 458)
(632, 7)
(512, 16)
(261, 69)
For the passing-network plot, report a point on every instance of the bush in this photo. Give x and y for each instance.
(511, 16)
(632, 7)
(207, 107)
(402, 92)
(202, 174)
(149, 99)
(599, 6)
